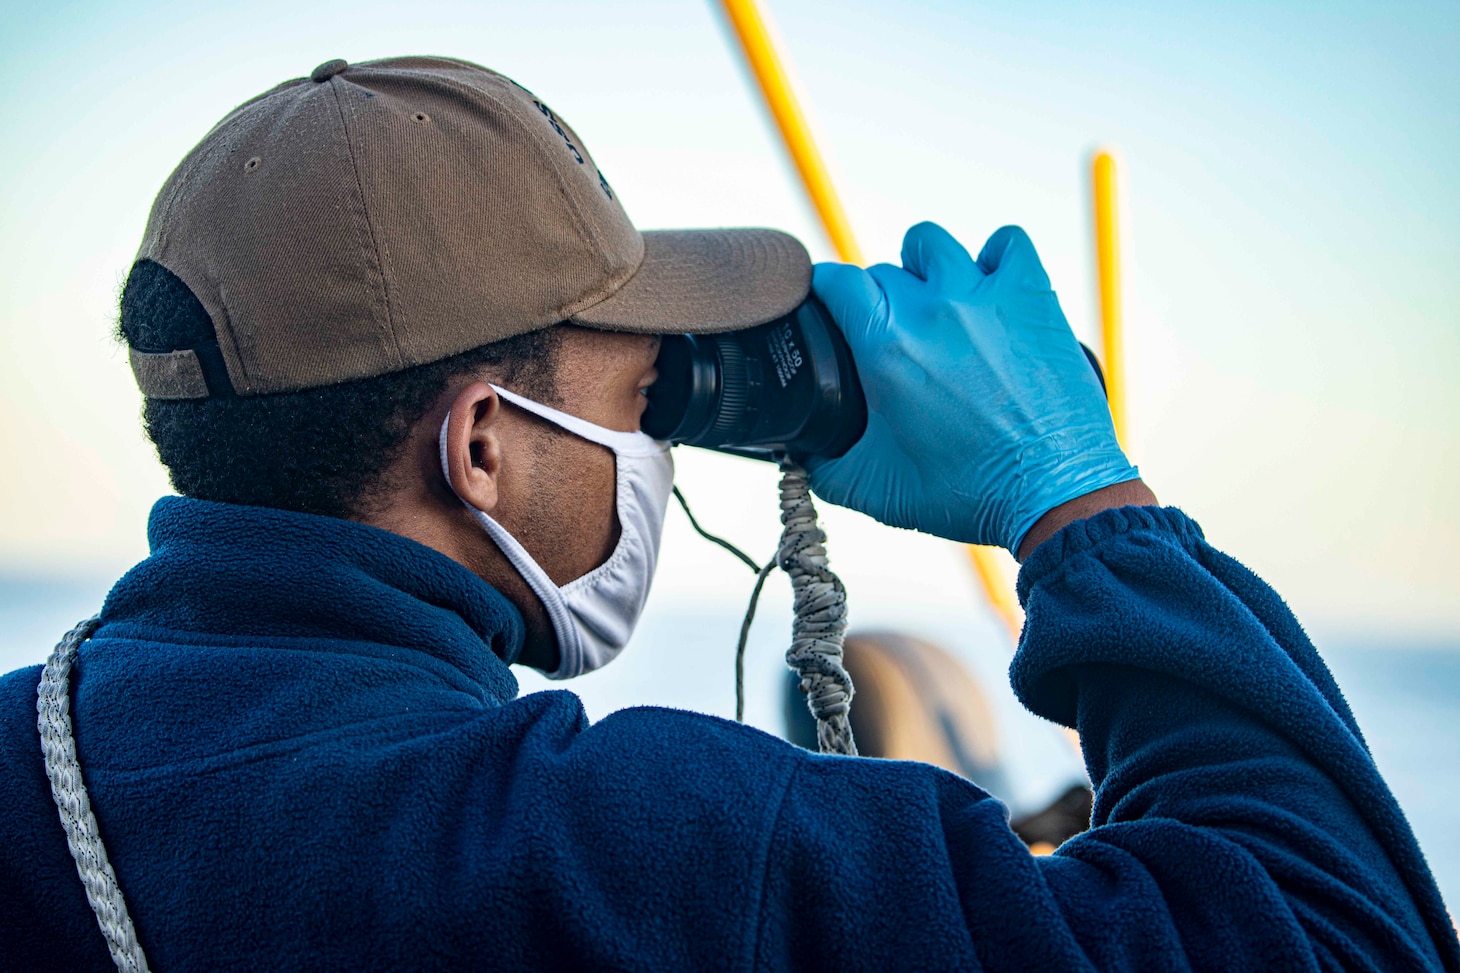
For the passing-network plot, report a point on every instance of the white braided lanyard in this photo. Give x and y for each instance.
(819, 622)
(58, 746)
(820, 612)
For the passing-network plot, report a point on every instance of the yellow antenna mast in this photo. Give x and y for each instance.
(775, 87)
(1107, 263)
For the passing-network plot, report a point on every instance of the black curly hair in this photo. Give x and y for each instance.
(320, 450)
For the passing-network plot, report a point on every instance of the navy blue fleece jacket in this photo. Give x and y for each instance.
(305, 751)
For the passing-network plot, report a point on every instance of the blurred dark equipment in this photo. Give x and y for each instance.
(916, 701)
(1061, 820)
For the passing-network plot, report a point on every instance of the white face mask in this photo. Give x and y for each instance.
(594, 616)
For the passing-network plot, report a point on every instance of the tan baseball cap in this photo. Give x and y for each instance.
(376, 216)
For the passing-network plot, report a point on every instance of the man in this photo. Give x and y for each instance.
(394, 331)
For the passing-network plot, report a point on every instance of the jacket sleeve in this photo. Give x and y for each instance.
(1239, 822)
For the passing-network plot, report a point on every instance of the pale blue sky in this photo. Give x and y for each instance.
(1291, 216)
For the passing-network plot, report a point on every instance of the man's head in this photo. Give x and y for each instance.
(347, 259)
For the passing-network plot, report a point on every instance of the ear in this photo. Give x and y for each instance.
(473, 446)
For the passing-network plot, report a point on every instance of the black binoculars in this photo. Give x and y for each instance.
(788, 387)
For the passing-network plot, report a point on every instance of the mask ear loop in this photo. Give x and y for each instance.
(569, 646)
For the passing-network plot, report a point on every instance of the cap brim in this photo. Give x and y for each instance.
(699, 281)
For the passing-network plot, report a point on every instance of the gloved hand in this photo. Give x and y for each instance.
(983, 413)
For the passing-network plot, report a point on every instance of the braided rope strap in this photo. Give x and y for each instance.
(58, 745)
(820, 620)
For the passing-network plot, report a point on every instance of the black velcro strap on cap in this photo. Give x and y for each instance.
(215, 370)
(171, 340)
(169, 375)
(193, 373)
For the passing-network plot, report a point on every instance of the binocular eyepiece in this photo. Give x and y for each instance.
(788, 387)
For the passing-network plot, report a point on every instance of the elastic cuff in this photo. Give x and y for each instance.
(1079, 536)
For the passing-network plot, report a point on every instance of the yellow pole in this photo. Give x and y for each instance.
(775, 86)
(996, 587)
(1107, 262)
(750, 28)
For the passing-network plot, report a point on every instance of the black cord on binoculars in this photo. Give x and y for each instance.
(711, 537)
(761, 573)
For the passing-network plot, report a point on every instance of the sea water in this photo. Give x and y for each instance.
(1406, 696)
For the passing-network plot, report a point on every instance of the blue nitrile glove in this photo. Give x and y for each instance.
(983, 413)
